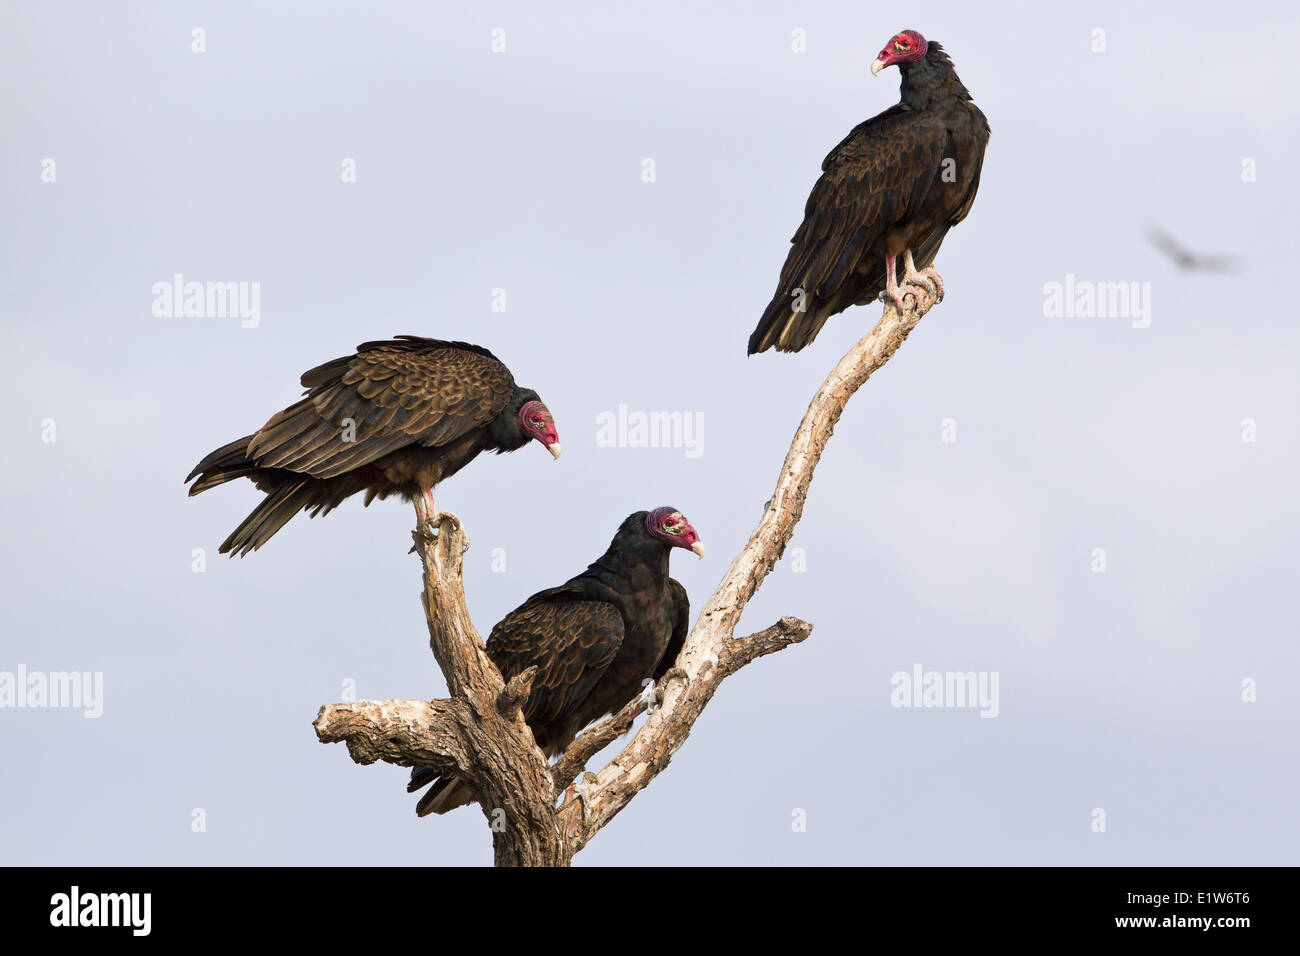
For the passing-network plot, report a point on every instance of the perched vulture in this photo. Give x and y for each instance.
(594, 639)
(395, 418)
(894, 186)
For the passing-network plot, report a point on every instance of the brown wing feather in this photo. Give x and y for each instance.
(393, 394)
(571, 641)
(681, 624)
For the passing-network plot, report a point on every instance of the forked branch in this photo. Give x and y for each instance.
(480, 735)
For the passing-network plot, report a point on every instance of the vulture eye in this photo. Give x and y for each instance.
(902, 44)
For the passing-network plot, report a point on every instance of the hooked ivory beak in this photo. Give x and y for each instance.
(554, 449)
(698, 548)
(877, 66)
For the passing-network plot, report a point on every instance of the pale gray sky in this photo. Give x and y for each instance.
(522, 171)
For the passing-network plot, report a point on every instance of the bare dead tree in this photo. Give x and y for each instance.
(479, 733)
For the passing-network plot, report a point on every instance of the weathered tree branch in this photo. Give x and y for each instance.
(591, 742)
(479, 734)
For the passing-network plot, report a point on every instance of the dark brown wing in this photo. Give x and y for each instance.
(872, 180)
(681, 624)
(389, 395)
(572, 641)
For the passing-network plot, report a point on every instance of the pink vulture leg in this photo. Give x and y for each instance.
(927, 277)
(894, 290)
(421, 513)
(425, 512)
(430, 518)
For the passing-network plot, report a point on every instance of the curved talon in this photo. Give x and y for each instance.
(929, 277)
(898, 291)
(650, 697)
(925, 282)
(454, 525)
(933, 275)
(429, 525)
(902, 291)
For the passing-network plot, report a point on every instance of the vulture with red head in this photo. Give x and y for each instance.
(396, 417)
(893, 187)
(594, 640)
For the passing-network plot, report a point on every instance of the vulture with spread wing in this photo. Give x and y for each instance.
(894, 186)
(397, 417)
(594, 639)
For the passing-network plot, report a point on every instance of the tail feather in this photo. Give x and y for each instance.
(270, 516)
(421, 777)
(225, 464)
(447, 793)
(786, 328)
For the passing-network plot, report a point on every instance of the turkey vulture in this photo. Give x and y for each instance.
(594, 639)
(894, 186)
(1187, 260)
(397, 417)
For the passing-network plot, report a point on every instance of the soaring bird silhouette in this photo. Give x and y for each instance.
(397, 417)
(594, 639)
(1185, 259)
(894, 186)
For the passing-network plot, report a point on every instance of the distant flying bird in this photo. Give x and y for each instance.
(894, 186)
(594, 640)
(1185, 259)
(395, 418)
